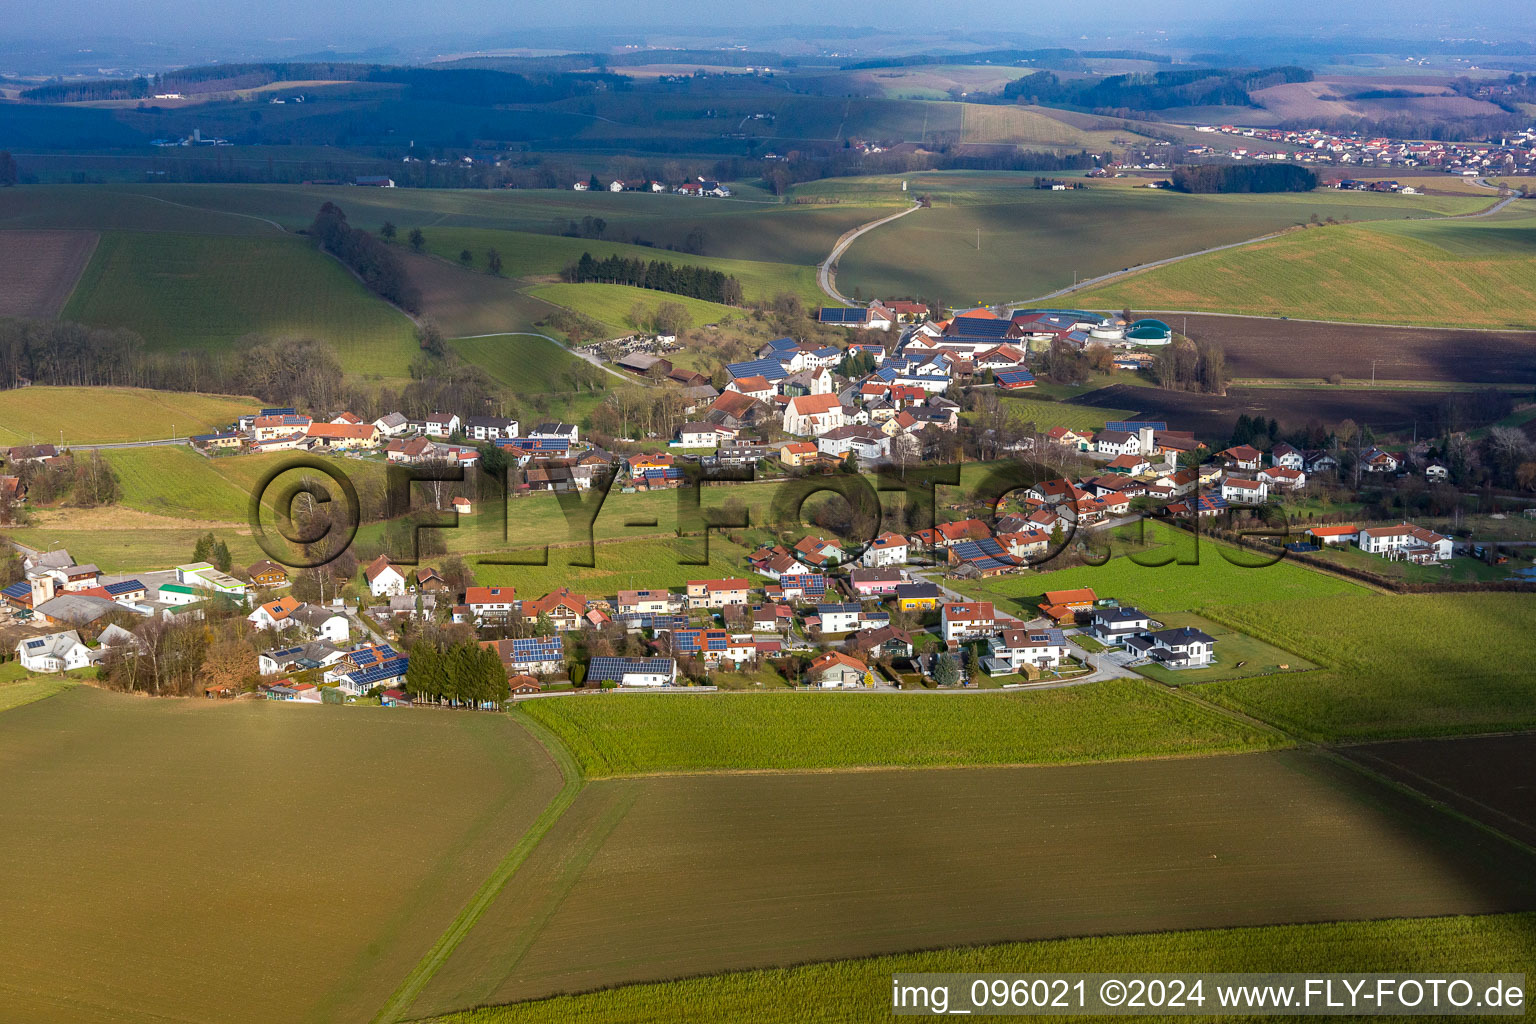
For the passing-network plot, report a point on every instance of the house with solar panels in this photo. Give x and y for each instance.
(56, 652)
(645, 672)
(1013, 650)
(534, 655)
(844, 316)
(981, 558)
(772, 369)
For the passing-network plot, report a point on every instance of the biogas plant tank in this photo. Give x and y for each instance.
(1107, 332)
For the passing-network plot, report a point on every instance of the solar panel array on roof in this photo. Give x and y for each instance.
(974, 327)
(772, 369)
(369, 656)
(664, 473)
(394, 668)
(601, 670)
(783, 344)
(842, 315)
(659, 623)
(1014, 377)
(123, 587)
(690, 641)
(537, 648)
(1134, 426)
(534, 444)
(19, 589)
(809, 584)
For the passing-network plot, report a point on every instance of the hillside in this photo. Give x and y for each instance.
(204, 291)
(1463, 273)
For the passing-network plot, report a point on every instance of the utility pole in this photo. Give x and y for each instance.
(978, 239)
(1373, 373)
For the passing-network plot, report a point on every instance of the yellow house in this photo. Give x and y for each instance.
(797, 453)
(917, 597)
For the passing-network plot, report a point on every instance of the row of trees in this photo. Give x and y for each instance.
(656, 275)
(1185, 365)
(1207, 178)
(459, 673)
(375, 263)
(284, 371)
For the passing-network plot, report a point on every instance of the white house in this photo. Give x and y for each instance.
(323, 623)
(839, 618)
(56, 652)
(275, 614)
(441, 424)
(886, 549)
(1283, 478)
(1405, 541)
(1237, 491)
(962, 620)
(384, 580)
(1039, 648)
(1185, 647)
(1117, 442)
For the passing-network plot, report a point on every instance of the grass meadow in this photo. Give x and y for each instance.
(39, 413)
(1199, 576)
(208, 830)
(673, 877)
(1397, 665)
(1045, 415)
(200, 291)
(176, 481)
(1460, 273)
(613, 303)
(748, 227)
(638, 734)
(1032, 242)
(849, 991)
(526, 254)
(136, 546)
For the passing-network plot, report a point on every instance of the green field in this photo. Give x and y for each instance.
(177, 481)
(642, 734)
(525, 254)
(1210, 581)
(625, 565)
(206, 292)
(233, 827)
(1456, 273)
(671, 877)
(108, 415)
(135, 547)
(19, 687)
(612, 303)
(745, 228)
(1032, 242)
(523, 361)
(851, 991)
(1406, 665)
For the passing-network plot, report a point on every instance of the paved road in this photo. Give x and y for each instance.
(1138, 268)
(824, 272)
(128, 444)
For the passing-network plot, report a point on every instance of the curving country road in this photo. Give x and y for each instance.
(824, 273)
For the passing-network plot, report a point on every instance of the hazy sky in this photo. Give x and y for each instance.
(352, 23)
